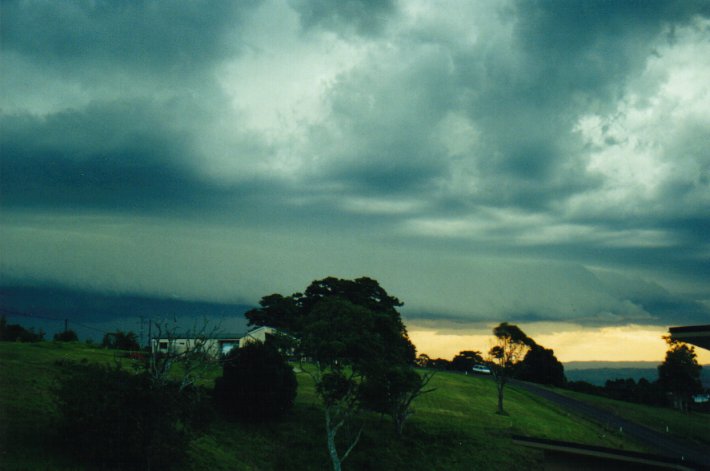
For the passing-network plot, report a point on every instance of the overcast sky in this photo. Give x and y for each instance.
(545, 163)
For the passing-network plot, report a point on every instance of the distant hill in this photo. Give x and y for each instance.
(598, 372)
(589, 365)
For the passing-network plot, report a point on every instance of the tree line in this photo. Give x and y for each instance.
(516, 355)
(677, 382)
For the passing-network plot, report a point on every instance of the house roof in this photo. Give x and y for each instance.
(698, 335)
(219, 336)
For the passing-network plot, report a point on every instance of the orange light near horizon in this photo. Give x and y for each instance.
(625, 343)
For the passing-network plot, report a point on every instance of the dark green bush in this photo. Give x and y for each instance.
(66, 336)
(119, 420)
(120, 340)
(257, 384)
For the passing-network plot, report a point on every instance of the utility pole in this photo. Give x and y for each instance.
(150, 336)
(66, 323)
(141, 317)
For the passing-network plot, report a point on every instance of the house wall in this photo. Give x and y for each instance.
(256, 335)
(211, 346)
(214, 347)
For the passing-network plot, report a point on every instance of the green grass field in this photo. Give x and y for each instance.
(454, 427)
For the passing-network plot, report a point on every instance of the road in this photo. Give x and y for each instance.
(658, 442)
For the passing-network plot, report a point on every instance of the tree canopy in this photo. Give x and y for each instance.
(541, 366)
(308, 313)
(358, 350)
(679, 373)
(466, 359)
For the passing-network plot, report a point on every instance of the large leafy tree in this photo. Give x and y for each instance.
(511, 346)
(466, 359)
(679, 374)
(540, 365)
(353, 339)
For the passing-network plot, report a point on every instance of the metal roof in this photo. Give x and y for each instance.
(698, 335)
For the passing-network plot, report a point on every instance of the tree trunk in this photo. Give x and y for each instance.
(501, 386)
(332, 451)
(399, 424)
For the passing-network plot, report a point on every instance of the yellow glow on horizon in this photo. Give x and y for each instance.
(626, 343)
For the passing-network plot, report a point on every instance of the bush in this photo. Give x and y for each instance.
(66, 336)
(121, 341)
(17, 333)
(257, 384)
(115, 419)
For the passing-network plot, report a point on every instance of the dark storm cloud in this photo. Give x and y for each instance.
(91, 314)
(567, 58)
(363, 137)
(115, 155)
(362, 16)
(593, 46)
(172, 35)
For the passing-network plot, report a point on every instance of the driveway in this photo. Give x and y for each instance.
(657, 442)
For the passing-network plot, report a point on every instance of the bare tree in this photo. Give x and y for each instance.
(511, 346)
(392, 392)
(183, 356)
(339, 390)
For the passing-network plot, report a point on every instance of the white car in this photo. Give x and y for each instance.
(481, 369)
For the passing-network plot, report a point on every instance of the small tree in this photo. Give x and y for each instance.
(422, 360)
(66, 336)
(120, 340)
(190, 362)
(340, 339)
(511, 346)
(679, 374)
(392, 391)
(257, 384)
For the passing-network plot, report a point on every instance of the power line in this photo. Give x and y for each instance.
(12, 312)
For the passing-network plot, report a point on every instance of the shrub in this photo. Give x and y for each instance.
(66, 336)
(115, 419)
(17, 333)
(121, 341)
(257, 384)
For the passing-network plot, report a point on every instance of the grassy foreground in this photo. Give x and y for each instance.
(454, 427)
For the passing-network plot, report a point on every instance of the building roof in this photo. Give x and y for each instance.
(219, 336)
(698, 335)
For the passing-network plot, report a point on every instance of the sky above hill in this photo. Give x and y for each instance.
(543, 163)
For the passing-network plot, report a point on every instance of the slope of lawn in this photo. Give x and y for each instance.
(693, 426)
(454, 427)
(27, 372)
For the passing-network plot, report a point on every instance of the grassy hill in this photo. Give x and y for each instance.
(454, 427)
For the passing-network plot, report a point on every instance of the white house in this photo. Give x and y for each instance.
(215, 345)
(256, 335)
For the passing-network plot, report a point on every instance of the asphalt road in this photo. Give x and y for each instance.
(658, 442)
